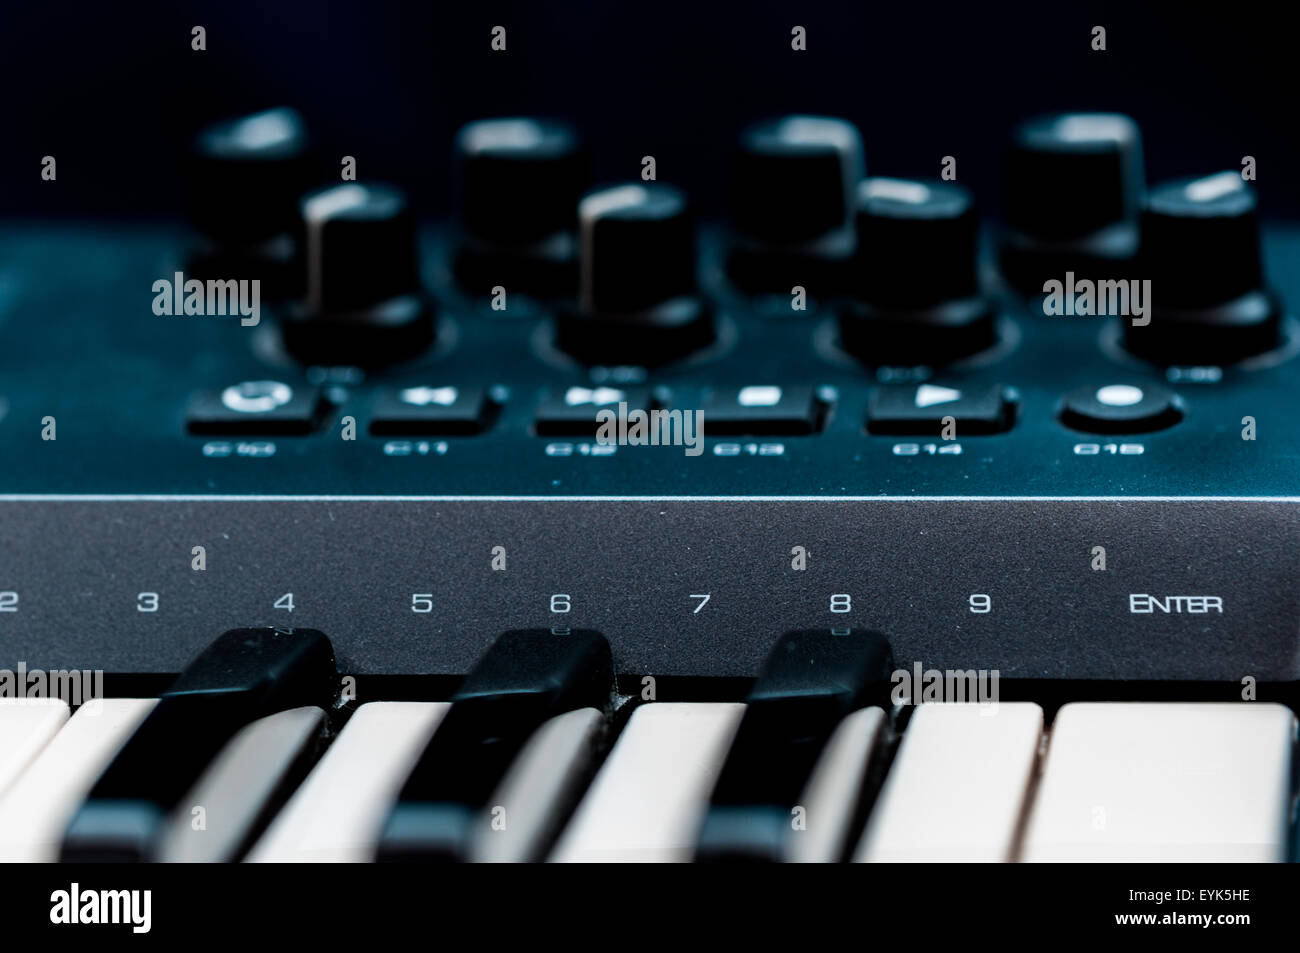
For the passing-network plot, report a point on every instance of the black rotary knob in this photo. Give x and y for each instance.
(914, 295)
(520, 180)
(363, 303)
(1201, 251)
(792, 195)
(637, 300)
(1072, 192)
(246, 175)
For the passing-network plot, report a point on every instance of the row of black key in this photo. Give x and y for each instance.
(525, 679)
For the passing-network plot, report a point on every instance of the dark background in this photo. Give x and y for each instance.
(113, 90)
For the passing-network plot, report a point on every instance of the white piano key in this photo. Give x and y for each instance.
(830, 798)
(538, 786)
(26, 726)
(36, 810)
(648, 799)
(338, 812)
(956, 790)
(236, 787)
(1164, 782)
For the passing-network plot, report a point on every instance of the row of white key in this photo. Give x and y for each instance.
(63, 757)
(1124, 782)
(338, 812)
(66, 756)
(1119, 781)
(1165, 782)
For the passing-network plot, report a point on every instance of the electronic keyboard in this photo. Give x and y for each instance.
(863, 523)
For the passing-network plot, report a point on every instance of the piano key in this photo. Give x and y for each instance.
(337, 813)
(26, 726)
(647, 800)
(956, 790)
(524, 679)
(239, 787)
(36, 810)
(1148, 782)
(243, 675)
(1295, 833)
(831, 797)
(534, 797)
(811, 680)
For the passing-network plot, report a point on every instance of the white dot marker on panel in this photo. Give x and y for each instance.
(1119, 395)
(759, 395)
(423, 396)
(577, 396)
(256, 397)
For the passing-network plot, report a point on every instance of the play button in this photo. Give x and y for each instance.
(927, 395)
(919, 411)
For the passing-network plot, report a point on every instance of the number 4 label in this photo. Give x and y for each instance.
(285, 602)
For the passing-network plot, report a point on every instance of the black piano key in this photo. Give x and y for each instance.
(524, 679)
(810, 682)
(242, 676)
